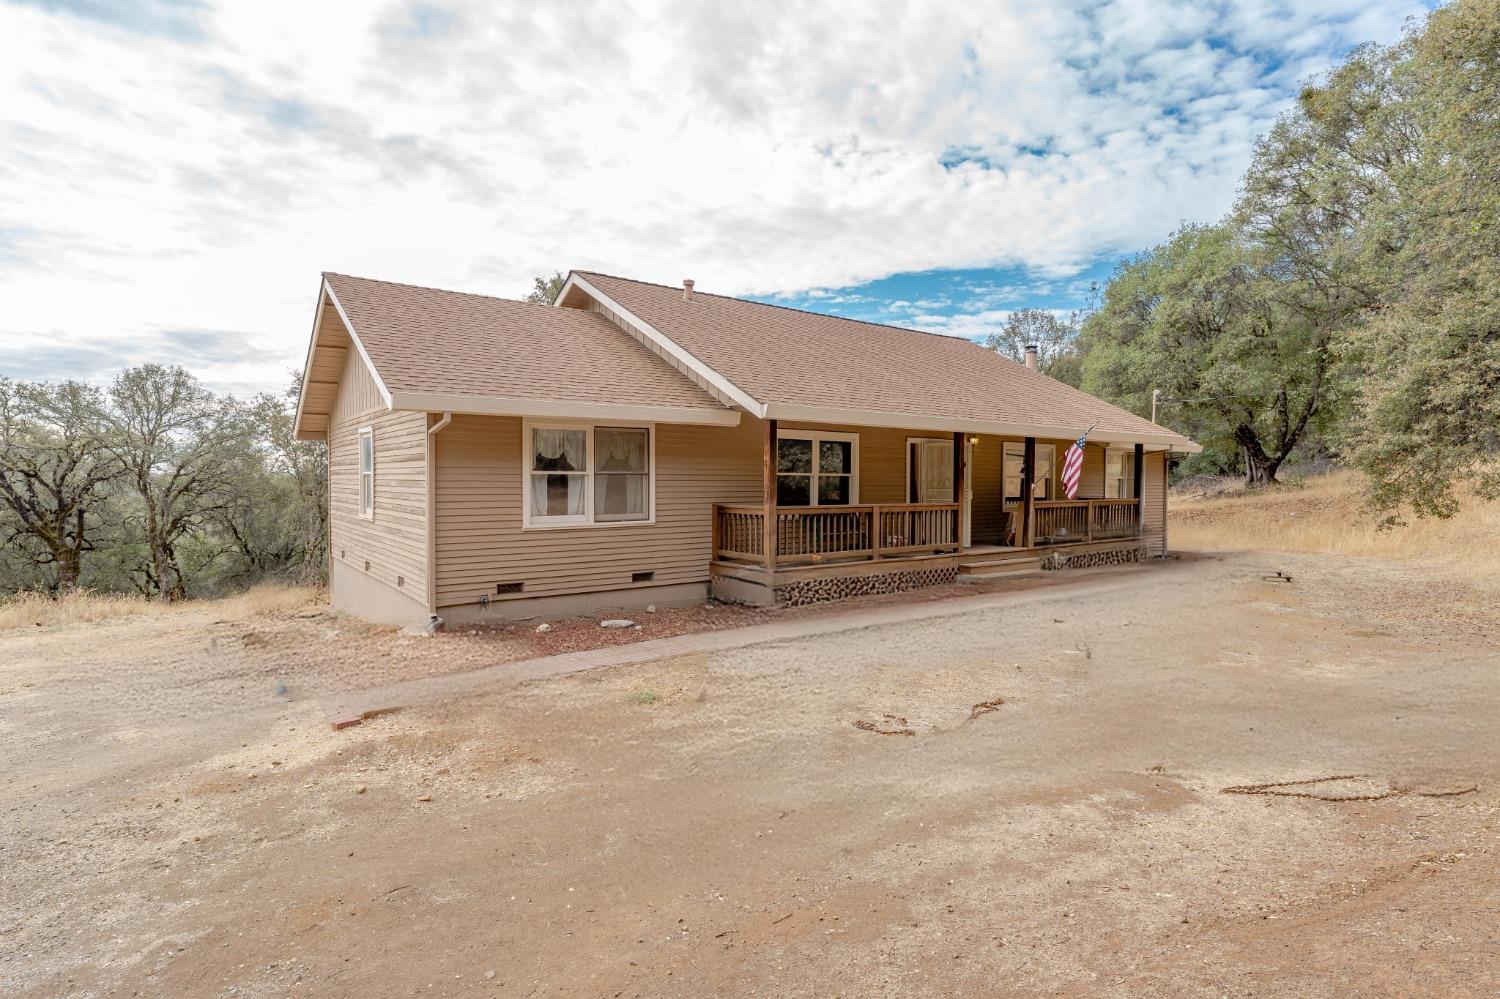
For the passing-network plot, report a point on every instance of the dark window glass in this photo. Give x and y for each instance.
(793, 490)
(835, 456)
(794, 456)
(833, 490)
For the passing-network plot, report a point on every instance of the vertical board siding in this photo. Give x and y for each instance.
(1154, 486)
(394, 542)
(987, 508)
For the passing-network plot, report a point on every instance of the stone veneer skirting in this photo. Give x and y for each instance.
(815, 591)
(1087, 560)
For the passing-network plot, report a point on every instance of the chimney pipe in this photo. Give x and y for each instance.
(1031, 356)
(687, 289)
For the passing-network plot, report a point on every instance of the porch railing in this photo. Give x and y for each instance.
(1080, 521)
(808, 535)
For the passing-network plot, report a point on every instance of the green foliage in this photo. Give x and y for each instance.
(1353, 297)
(1203, 320)
(1430, 416)
(544, 289)
(55, 466)
(1056, 341)
(157, 486)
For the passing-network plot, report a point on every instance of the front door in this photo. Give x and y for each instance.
(932, 478)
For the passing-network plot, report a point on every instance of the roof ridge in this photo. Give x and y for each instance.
(788, 308)
(428, 287)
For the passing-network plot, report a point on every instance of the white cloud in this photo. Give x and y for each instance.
(175, 168)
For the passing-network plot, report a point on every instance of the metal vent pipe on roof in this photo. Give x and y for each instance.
(1031, 356)
(687, 289)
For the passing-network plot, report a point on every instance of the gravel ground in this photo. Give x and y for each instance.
(1026, 799)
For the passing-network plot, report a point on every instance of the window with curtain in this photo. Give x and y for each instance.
(1015, 457)
(621, 473)
(588, 475)
(367, 473)
(814, 469)
(1119, 473)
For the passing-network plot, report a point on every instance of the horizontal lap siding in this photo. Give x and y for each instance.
(394, 542)
(480, 541)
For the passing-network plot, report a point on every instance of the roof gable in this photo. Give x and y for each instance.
(430, 349)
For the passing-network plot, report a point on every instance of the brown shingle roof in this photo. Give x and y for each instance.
(425, 341)
(787, 357)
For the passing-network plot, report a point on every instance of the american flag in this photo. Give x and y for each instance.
(1072, 472)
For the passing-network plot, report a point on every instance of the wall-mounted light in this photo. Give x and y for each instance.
(973, 441)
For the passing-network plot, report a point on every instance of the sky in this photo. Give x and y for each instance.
(175, 175)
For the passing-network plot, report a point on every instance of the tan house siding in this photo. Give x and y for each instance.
(480, 541)
(394, 542)
(987, 508)
(1154, 487)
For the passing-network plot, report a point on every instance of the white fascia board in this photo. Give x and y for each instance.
(435, 402)
(667, 345)
(385, 393)
(914, 421)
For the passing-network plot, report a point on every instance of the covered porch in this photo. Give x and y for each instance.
(966, 531)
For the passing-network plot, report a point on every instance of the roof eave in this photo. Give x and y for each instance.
(942, 424)
(326, 295)
(568, 409)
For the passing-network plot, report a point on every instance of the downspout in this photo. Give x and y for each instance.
(432, 513)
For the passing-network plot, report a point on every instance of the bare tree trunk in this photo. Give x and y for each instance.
(1260, 468)
(69, 567)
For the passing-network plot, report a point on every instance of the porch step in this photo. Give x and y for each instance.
(999, 567)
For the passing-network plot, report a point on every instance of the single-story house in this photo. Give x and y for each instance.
(636, 443)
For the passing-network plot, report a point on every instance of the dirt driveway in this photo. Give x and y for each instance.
(1024, 798)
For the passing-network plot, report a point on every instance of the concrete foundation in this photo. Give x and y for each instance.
(575, 604)
(353, 592)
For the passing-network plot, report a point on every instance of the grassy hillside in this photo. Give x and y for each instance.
(1327, 515)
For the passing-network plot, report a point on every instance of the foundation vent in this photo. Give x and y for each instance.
(509, 587)
(642, 577)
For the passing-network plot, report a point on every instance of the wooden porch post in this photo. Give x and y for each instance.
(1140, 496)
(1028, 497)
(768, 500)
(960, 481)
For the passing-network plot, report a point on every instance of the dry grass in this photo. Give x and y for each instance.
(1328, 515)
(271, 598)
(26, 610)
(41, 610)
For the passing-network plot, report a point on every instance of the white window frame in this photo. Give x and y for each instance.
(1129, 487)
(366, 509)
(817, 437)
(1017, 449)
(530, 522)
